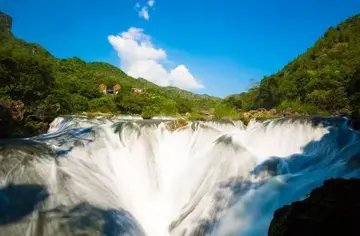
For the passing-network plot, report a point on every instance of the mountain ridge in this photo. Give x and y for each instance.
(46, 87)
(323, 80)
(6, 26)
(96, 72)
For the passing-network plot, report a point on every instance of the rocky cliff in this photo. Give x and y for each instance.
(332, 209)
(5, 22)
(17, 120)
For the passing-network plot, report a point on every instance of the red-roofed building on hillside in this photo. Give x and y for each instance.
(139, 90)
(111, 89)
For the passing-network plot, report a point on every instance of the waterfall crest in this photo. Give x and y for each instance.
(136, 177)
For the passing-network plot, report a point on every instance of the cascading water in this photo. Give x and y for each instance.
(121, 177)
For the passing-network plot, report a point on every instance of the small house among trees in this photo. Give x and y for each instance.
(139, 90)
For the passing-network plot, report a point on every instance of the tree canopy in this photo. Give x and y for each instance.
(325, 79)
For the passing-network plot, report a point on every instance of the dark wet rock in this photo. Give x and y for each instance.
(38, 119)
(355, 123)
(10, 109)
(16, 120)
(5, 22)
(263, 114)
(332, 209)
(11, 115)
(268, 167)
(45, 113)
(354, 120)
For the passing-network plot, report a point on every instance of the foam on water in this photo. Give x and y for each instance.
(138, 178)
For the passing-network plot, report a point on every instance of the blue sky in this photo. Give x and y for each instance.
(205, 46)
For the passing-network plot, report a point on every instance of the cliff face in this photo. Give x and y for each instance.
(11, 114)
(5, 22)
(332, 209)
(17, 120)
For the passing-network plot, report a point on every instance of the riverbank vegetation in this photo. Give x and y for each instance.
(324, 80)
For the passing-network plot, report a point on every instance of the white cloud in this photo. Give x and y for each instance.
(143, 11)
(182, 78)
(139, 58)
(151, 3)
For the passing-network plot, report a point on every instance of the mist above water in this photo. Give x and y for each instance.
(134, 177)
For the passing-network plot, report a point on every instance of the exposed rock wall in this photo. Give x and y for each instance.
(332, 209)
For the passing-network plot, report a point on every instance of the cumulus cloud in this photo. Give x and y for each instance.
(140, 58)
(182, 78)
(144, 13)
(151, 3)
(143, 10)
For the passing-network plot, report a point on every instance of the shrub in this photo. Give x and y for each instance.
(103, 104)
(301, 108)
(195, 116)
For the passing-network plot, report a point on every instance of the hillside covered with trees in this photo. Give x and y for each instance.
(323, 80)
(32, 75)
(28, 69)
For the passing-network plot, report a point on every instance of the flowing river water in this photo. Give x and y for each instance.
(134, 177)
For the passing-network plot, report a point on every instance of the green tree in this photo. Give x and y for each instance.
(325, 77)
(23, 76)
(103, 104)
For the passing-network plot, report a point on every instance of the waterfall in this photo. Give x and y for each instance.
(136, 177)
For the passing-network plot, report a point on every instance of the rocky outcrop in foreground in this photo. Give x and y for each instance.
(176, 124)
(332, 209)
(263, 114)
(11, 114)
(17, 120)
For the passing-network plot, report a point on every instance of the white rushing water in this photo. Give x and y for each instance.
(205, 179)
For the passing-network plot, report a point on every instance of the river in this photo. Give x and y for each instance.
(132, 177)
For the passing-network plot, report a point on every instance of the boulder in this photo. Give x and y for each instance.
(5, 22)
(15, 109)
(355, 121)
(44, 113)
(332, 209)
(263, 114)
(17, 121)
(11, 115)
(38, 119)
(176, 124)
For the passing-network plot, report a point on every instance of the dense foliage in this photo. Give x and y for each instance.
(325, 79)
(30, 74)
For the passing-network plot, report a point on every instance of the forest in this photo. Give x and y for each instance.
(325, 80)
